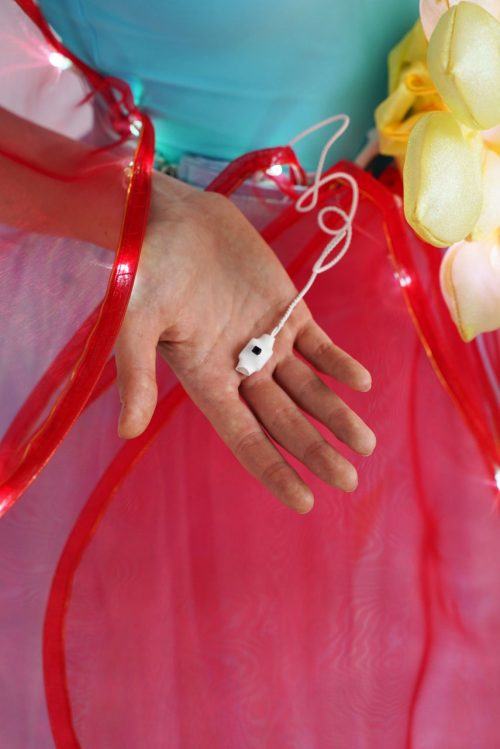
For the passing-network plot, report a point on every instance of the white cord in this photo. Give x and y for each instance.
(308, 201)
(258, 351)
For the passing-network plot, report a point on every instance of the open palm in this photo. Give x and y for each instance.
(206, 283)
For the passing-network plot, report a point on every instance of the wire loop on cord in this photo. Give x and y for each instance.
(258, 351)
(308, 202)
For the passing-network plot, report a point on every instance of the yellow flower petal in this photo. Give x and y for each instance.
(470, 283)
(442, 180)
(464, 62)
(411, 93)
(432, 10)
(396, 116)
(489, 219)
(412, 48)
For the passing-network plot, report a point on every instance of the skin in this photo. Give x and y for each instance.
(206, 283)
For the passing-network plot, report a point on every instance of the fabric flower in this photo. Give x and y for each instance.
(432, 10)
(443, 170)
(464, 63)
(447, 136)
(470, 283)
(412, 94)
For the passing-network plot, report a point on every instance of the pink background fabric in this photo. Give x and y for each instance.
(204, 613)
(199, 612)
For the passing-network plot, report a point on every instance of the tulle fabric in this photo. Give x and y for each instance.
(198, 611)
(74, 191)
(153, 594)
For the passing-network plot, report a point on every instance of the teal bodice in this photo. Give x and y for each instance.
(221, 77)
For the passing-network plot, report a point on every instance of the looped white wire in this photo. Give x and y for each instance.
(308, 202)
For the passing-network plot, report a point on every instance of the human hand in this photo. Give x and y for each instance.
(206, 283)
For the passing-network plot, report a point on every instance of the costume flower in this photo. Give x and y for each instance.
(442, 123)
(432, 10)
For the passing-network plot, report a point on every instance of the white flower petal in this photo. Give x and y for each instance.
(470, 283)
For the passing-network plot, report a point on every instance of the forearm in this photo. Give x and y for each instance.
(54, 185)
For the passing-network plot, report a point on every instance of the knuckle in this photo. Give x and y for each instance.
(275, 473)
(318, 451)
(340, 417)
(284, 418)
(247, 444)
(311, 387)
(323, 349)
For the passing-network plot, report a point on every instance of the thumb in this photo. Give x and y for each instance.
(135, 354)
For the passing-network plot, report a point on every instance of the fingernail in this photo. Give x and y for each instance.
(366, 382)
(306, 503)
(370, 444)
(351, 481)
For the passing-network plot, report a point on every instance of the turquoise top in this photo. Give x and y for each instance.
(221, 77)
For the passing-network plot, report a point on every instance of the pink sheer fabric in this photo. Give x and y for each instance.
(153, 594)
(74, 192)
(201, 612)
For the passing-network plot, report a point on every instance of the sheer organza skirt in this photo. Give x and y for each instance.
(153, 594)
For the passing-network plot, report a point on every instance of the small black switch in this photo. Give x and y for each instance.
(256, 350)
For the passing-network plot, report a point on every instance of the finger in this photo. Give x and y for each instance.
(135, 354)
(290, 428)
(245, 437)
(314, 344)
(313, 396)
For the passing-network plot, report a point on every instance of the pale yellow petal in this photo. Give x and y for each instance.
(396, 116)
(489, 218)
(412, 48)
(432, 10)
(470, 283)
(442, 180)
(464, 62)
